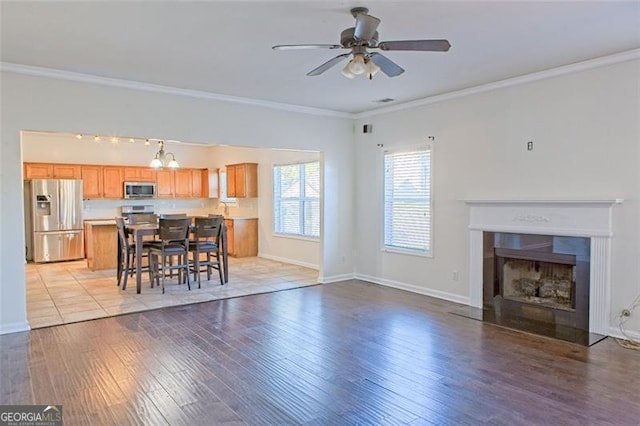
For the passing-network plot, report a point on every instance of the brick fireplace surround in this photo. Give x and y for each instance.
(579, 218)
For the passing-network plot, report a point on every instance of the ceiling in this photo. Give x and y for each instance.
(225, 47)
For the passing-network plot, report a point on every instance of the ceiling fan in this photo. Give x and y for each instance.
(362, 37)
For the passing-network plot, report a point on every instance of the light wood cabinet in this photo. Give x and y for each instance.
(108, 181)
(183, 183)
(91, 182)
(101, 245)
(164, 181)
(242, 237)
(102, 182)
(139, 174)
(51, 171)
(242, 180)
(197, 187)
(66, 171)
(112, 182)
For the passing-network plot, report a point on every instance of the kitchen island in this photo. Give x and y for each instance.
(101, 237)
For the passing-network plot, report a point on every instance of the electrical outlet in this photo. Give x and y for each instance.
(455, 275)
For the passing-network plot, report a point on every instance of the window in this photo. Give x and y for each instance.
(223, 189)
(407, 201)
(296, 199)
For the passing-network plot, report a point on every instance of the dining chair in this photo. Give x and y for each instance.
(143, 218)
(173, 216)
(127, 254)
(173, 241)
(206, 240)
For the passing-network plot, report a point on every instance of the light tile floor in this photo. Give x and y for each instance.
(66, 292)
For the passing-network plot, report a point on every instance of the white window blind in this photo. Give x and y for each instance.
(296, 199)
(407, 200)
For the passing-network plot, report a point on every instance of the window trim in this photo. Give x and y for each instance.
(301, 199)
(398, 250)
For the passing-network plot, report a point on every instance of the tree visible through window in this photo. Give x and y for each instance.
(296, 199)
(407, 200)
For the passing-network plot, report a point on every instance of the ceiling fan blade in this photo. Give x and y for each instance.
(366, 26)
(421, 45)
(331, 62)
(387, 66)
(305, 46)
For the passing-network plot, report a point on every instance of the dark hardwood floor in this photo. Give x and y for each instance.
(337, 354)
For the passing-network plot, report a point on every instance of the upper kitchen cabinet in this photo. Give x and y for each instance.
(51, 171)
(91, 181)
(102, 181)
(182, 183)
(242, 180)
(113, 182)
(139, 174)
(165, 181)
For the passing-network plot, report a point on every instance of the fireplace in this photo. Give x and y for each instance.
(542, 263)
(537, 281)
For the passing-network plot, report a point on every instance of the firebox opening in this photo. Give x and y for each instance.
(524, 277)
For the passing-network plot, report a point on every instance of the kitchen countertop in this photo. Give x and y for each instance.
(100, 222)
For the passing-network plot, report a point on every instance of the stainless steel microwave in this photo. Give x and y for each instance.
(138, 190)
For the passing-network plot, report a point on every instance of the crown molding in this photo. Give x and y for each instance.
(509, 82)
(136, 85)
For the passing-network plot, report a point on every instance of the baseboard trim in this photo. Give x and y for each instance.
(14, 327)
(335, 278)
(615, 332)
(456, 298)
(290, 261)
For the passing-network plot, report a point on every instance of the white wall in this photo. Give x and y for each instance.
(586, 133)
(47, 104)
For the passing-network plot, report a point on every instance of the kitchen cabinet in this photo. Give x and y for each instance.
(139, 174)
(101, 244)
(91, 182)
(183, 183)
(242, 180)
(197, 186)
(242, 237)
(164, 180)
(51, 171)
(108, 181)
(102, 181)
(112, 182)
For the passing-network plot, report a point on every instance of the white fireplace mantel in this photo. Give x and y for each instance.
(580, 218)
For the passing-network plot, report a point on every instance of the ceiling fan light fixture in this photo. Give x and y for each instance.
(347, 73)
(372, 68)
(357, 65)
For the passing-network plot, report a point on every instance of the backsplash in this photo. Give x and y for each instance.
(107, 209)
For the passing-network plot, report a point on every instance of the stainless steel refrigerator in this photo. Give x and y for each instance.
(54, 219)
